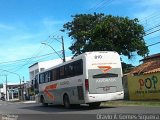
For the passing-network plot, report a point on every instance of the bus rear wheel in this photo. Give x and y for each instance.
(94, 105)
(43, 102)
(66, 101)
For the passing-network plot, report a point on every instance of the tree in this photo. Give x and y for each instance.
(99, 32)
(127, 67)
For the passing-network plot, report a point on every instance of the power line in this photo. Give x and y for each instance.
(153, 44)
(2, 79)
(153, 37)
(100, 5)
(153, 28)
(96, 5)
(26, 58)
(153, 15)
(30, 59)
(103, 5)
(34, 55)
(20, 67)
(152, 32)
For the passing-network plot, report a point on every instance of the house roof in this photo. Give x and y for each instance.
(146, 68)
(153, 71)
(151, 57)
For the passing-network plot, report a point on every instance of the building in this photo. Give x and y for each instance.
(38, 67)
(151, 64)
(11, 92)
(143, 82)
(2, 91)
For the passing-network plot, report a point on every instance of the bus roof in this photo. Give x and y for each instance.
(76, 58)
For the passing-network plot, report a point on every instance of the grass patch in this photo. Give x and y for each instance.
(132, 103)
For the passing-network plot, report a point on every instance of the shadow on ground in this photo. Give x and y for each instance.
(60, 108)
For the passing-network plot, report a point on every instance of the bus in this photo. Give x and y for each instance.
(90, 78)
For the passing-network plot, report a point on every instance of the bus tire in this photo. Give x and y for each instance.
(94, 105)
(66, 101)
(43, 102)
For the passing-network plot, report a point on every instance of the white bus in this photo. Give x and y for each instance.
(90, 78)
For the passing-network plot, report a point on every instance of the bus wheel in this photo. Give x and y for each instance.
(43, 101)
(66, 101)
(94, 105)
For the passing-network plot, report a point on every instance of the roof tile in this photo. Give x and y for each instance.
(148, 67)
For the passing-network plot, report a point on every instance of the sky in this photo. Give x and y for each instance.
(25, 24)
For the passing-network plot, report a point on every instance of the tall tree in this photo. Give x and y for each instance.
(99, 32)
(127, 67)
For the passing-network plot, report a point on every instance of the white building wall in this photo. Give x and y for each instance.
(33, 70)
(3, 90)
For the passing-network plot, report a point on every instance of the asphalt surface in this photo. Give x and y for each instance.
(34, 111)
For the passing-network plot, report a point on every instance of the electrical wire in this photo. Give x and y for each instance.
(153, 28)
(153, 44)
(152, 32)
(97, 4)
(40, 50)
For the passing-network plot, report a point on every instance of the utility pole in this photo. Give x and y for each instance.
(23, 90)
(6, 87)
(63, 51)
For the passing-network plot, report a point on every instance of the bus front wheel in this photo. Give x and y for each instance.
(66, 101)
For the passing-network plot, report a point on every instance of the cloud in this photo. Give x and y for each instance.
(51, 22)
(18, 52)
(5, 27)
(146, 3)
(23, 40)
(146, 8)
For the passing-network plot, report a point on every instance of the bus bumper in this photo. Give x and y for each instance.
(104, 97)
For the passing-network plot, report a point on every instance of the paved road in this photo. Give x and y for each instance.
(34, 110)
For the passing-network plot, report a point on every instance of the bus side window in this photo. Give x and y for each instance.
(62, 72)
(41, 78)
(49, 76)
(71, 70)
(78, 67)
(46, 77)
(54, 75)
(66, 71)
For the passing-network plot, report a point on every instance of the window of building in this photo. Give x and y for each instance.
(15, 95)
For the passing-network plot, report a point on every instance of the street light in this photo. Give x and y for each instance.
(56, 51)
(15, 74)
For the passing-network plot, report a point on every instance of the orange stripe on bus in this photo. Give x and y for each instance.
(50, 87)
(104, 69)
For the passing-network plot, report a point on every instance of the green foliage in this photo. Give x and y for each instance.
(99, 32)
(127, 67)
